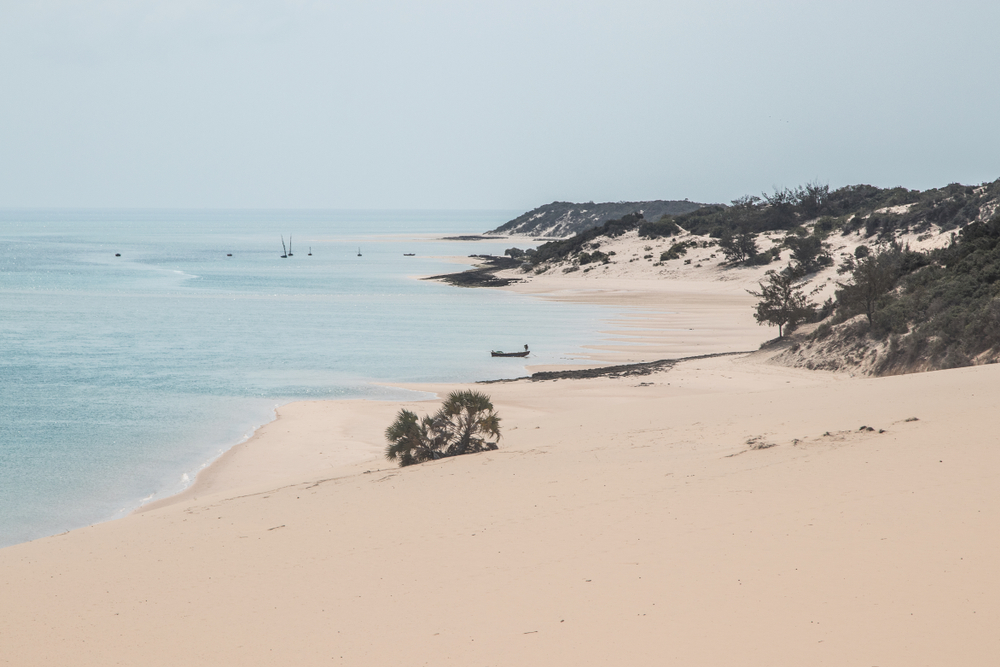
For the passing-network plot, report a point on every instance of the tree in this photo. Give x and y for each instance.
(812, 199)
(464, 425)
(780, 209)
(738, 248)
(808, 253)
(873, 276)
(746, 202)
(782, 302)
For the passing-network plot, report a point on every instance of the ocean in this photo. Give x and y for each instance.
(122, 376)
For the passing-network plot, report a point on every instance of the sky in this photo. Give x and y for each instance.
(385, 104)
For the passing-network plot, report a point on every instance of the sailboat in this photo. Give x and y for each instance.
(284, 253)
(359, 252)
(310, 251)
(289, 245)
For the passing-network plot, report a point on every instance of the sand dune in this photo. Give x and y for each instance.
(724, 512)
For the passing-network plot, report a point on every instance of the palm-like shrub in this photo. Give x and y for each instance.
(467, 419)
(411, 440)
(464, 425)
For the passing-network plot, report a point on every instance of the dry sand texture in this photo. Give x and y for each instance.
(724, 512)
(621, 523)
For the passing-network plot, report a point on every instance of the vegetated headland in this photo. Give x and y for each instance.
(561, 218)
(911, 278)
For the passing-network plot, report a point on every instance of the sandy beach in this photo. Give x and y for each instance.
(726, 511)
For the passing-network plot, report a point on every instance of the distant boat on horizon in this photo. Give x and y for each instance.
(310, 252)
(289, 245)
(284, 251)
(359, 252)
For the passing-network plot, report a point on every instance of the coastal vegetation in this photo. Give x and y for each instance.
(900, 310)
(563, 219)
(922, 309)
(466, 423)
(782, 302)
(872, 276)
(586, 241)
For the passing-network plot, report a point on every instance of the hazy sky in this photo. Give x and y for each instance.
(502, 104)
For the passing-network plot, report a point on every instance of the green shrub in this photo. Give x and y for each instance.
(596, 256)
(822, 331)
(465, 424)
(677, 250)
(665, 227)
(945, 310)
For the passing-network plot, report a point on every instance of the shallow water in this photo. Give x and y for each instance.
(120, 377)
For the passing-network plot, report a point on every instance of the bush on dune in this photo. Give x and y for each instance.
(465, 424)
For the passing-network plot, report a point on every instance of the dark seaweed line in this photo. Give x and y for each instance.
(623, 370)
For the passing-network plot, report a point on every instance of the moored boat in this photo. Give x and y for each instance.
(497, 353)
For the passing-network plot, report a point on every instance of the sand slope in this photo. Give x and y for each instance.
(619, 524)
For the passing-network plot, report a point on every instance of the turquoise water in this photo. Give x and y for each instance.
(120, 377)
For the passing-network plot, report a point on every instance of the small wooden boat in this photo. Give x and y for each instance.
(496, 353)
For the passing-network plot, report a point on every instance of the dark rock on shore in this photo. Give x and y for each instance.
(483, 275)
